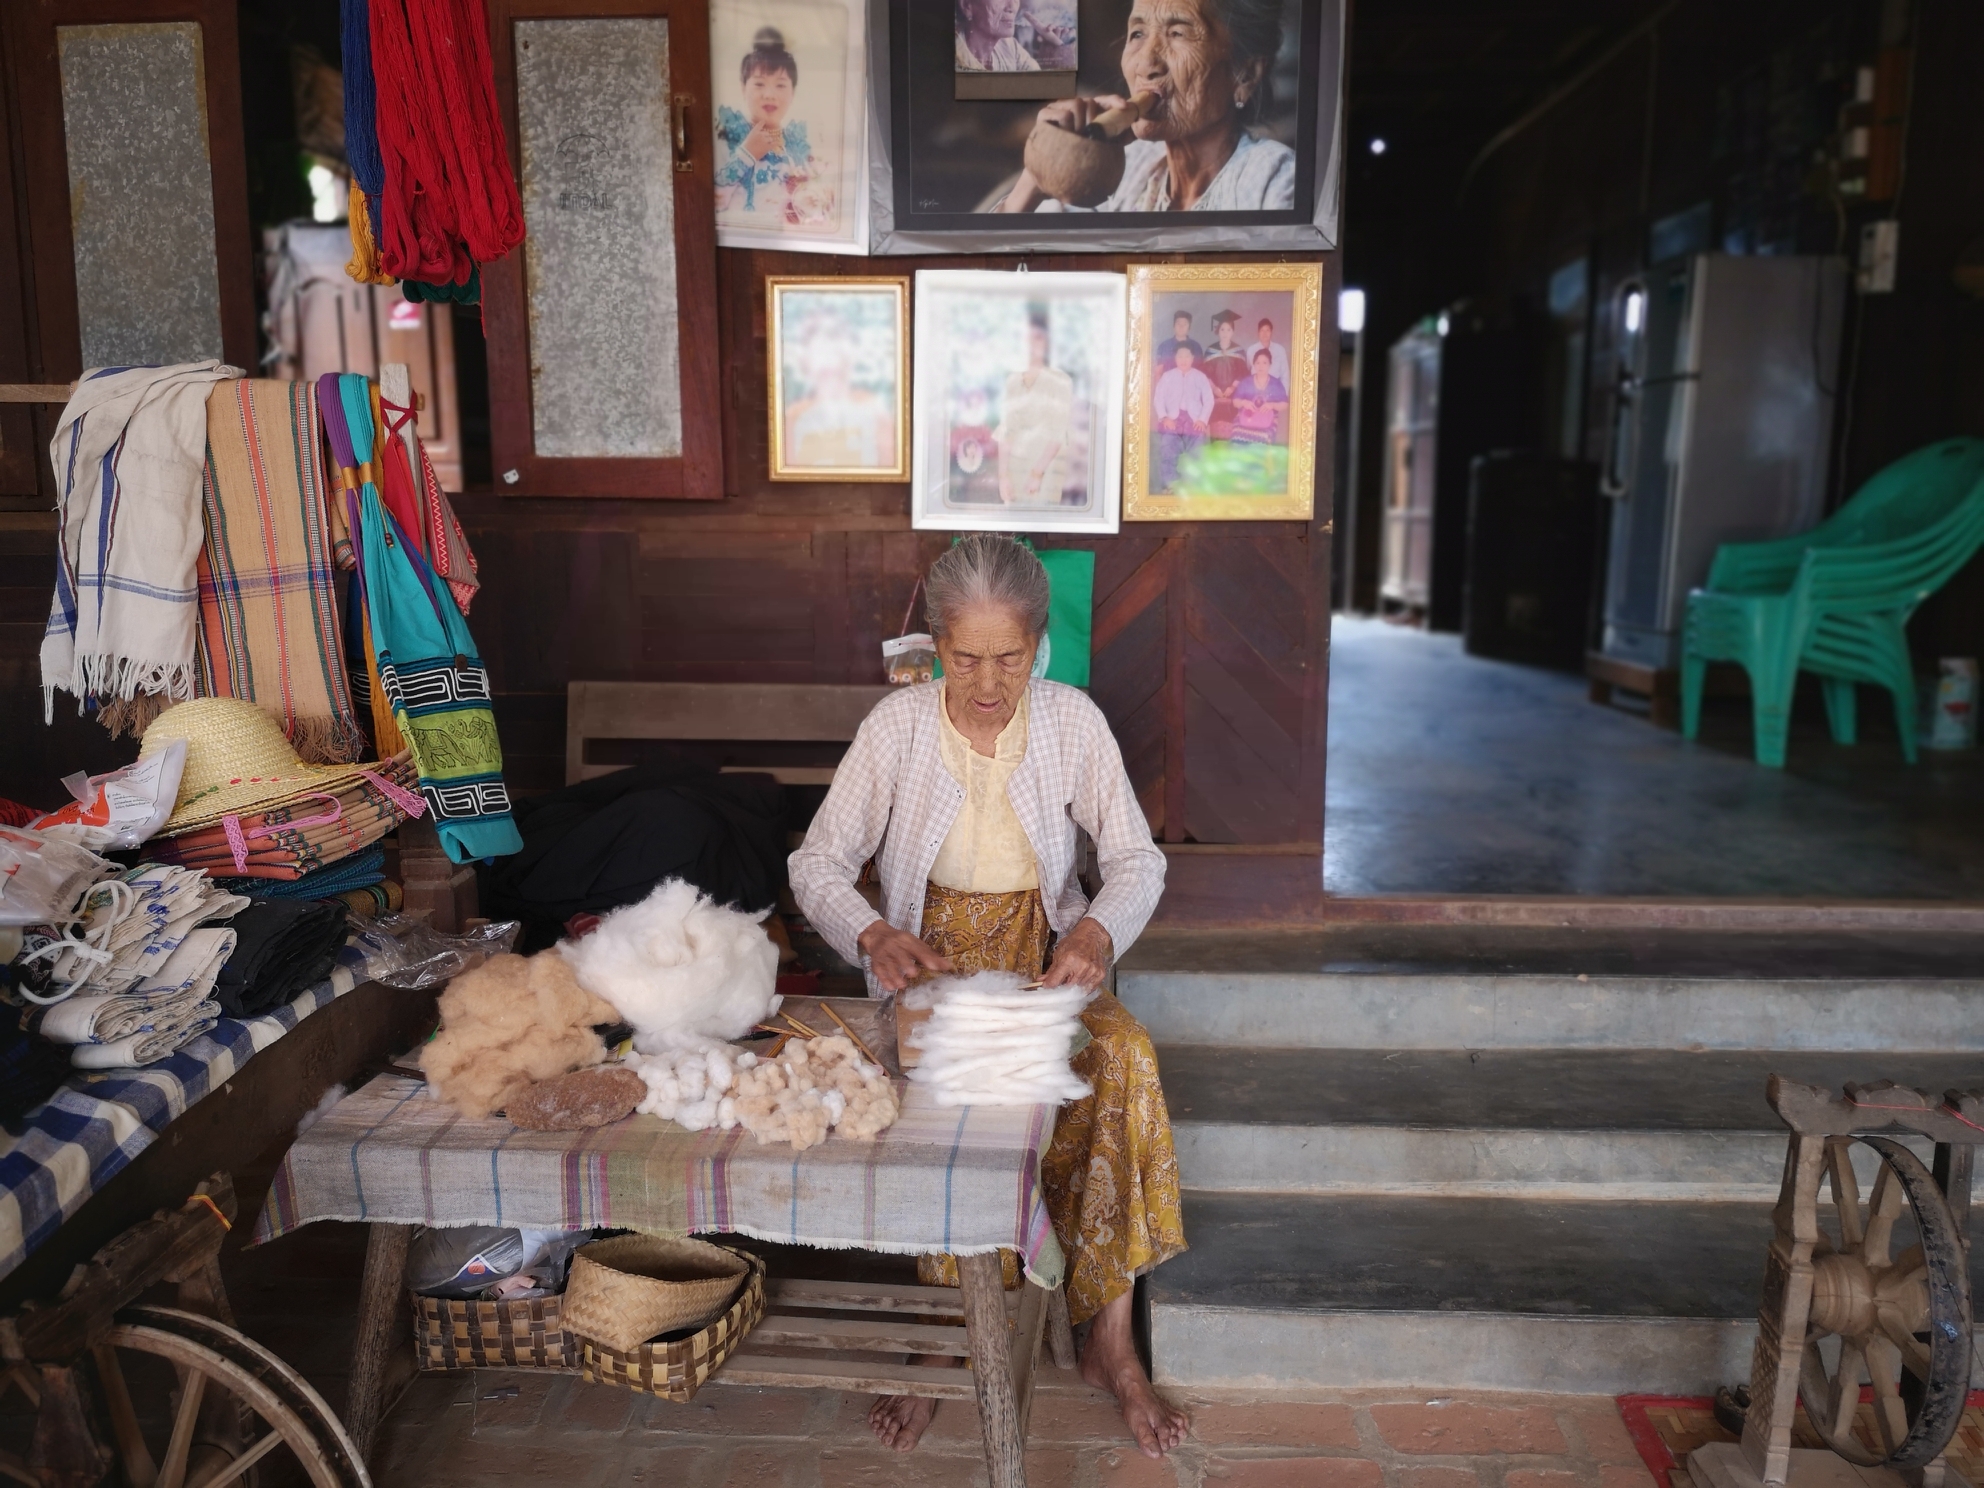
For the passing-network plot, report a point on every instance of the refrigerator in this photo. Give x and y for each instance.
(1726, 373)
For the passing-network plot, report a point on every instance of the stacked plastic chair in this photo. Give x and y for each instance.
(1836, 601)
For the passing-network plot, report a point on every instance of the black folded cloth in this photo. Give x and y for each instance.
(281, 946)
(31, 1069)
(598, 845)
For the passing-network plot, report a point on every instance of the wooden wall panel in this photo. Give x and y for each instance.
(1210, 639)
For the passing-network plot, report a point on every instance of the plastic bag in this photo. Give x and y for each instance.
(42, 878)
(910, 659)
(461, 1262)
(429, 957)
(120, 809)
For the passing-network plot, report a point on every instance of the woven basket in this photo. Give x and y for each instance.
(676, 1368)
(631, 1288)
(457, 1333)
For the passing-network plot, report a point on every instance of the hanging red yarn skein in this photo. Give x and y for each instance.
(450, 197)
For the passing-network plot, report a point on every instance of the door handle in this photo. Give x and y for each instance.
(683, 160)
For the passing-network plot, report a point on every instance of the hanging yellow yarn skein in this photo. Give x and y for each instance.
(364, 265)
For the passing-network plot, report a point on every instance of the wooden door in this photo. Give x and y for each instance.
(603, 364)
(1412, 421)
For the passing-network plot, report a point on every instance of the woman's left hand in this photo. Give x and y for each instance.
(1081, 959)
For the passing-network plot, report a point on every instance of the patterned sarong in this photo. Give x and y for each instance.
(268, 616)
(1110, 1176)
(429, 673)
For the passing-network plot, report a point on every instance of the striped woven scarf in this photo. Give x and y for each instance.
(268, 613)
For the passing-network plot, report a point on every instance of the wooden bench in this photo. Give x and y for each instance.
(736, 713)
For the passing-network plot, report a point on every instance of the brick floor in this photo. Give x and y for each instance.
(472, 1433)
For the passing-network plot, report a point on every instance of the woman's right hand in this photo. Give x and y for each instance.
(896, 957)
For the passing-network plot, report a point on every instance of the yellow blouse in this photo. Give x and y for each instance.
(987, 851)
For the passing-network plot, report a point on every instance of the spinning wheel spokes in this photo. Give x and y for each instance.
(229, 1404)
(1902, 1321)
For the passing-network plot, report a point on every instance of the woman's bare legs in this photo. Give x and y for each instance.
(1109, 1362)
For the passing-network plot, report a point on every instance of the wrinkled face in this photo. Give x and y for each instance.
(988, 656)
(1179, 50)
(768, 97)
(993, 17)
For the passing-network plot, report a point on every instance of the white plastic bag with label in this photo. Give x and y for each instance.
(43, 878)
(120, 809)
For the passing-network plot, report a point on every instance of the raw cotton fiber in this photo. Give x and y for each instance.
(507, 1024)
(812, 1087)
(680, 967)
(991, 1041)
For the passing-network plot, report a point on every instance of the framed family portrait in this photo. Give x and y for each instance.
(1224, 371)
(839, 364)
(789, 90)
(1018, 417)
(1181, 124)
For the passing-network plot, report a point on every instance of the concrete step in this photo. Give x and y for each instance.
(1291, 1290)
(1545, 1123)
(1475, 988)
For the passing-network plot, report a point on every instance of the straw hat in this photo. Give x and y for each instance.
(627, 1290)
(236, 760)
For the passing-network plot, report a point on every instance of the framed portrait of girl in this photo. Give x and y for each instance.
(789, 81)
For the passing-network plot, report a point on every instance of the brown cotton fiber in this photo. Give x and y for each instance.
(587, 1097)
(506, 1025)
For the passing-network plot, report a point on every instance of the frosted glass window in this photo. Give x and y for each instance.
(599, 209)
(141, 192)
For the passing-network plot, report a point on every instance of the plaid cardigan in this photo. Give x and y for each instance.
(893, 800)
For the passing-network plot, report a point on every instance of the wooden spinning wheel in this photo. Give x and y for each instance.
(1903, 1321)
(226, 1410)
(1898, 1321)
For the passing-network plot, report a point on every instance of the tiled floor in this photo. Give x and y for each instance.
(493, 1429)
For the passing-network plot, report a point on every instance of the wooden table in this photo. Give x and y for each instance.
(957, 1181)
(827, 1333)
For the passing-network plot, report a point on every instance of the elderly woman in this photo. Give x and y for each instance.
(967, 792)
(984, 37)
(1208, 63)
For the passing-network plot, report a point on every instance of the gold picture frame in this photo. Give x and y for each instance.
(829, 355)
(1227, 445)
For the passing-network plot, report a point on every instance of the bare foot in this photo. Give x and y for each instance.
(899, 1421)
(1110, 1362)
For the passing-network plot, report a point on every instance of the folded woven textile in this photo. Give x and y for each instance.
(429, 671)
(177, 996)
(281, 947)
(359, 871)
(268, 608)
(129, 927)
(302, 835)
(142, 1048)
(127, 453)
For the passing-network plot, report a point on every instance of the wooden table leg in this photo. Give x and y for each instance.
(1028, 1327)
(378, 1310)
(991, 1340)
(1060, 1333)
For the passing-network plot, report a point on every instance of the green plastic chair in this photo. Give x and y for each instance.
(1836, 600)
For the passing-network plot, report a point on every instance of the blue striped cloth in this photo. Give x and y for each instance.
(89, 1131)
(359, 871)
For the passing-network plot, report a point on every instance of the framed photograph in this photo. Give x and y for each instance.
(1192, 124)
(839, 372)
(789, 86)
(1224, 368)
(1015, 48)
(1018, 421)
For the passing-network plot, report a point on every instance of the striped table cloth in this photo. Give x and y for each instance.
(93, 1128)
(963, 1181)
